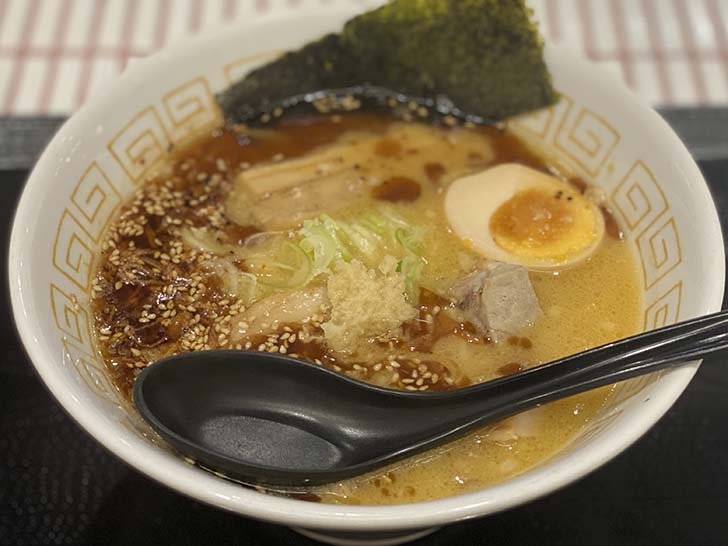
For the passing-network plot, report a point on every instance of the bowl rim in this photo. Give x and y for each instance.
(232, 497)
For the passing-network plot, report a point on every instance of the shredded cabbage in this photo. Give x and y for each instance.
(285, 266)
(369, 238)
(411, 239)
(287, 263)
(411, 267)
(321, 242)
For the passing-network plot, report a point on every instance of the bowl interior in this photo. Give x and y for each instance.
(107, 149)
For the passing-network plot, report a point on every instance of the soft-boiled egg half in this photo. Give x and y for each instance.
(518, 215)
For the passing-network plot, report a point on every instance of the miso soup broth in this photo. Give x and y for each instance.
(353, 242)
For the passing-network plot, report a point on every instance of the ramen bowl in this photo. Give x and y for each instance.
(109, 147)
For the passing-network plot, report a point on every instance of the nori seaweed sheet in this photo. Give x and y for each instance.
(480, 59)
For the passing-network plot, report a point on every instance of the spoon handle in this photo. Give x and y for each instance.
(618, 361)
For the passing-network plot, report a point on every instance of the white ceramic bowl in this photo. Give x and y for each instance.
(104, 151)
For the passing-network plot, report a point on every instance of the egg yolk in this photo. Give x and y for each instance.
(544, 223)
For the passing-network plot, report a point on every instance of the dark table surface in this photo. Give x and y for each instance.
(58, 486)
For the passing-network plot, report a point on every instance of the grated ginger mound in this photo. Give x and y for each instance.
(365, 304)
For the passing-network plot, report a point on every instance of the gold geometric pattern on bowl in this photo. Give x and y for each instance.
(191, 109)
(142, 143)
(586, 138)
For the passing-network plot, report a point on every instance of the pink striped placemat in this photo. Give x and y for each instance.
(56, 53)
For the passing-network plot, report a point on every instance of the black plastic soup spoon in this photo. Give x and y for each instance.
(270, 419)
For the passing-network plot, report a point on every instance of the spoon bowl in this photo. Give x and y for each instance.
(272, 419)
(258, 416)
